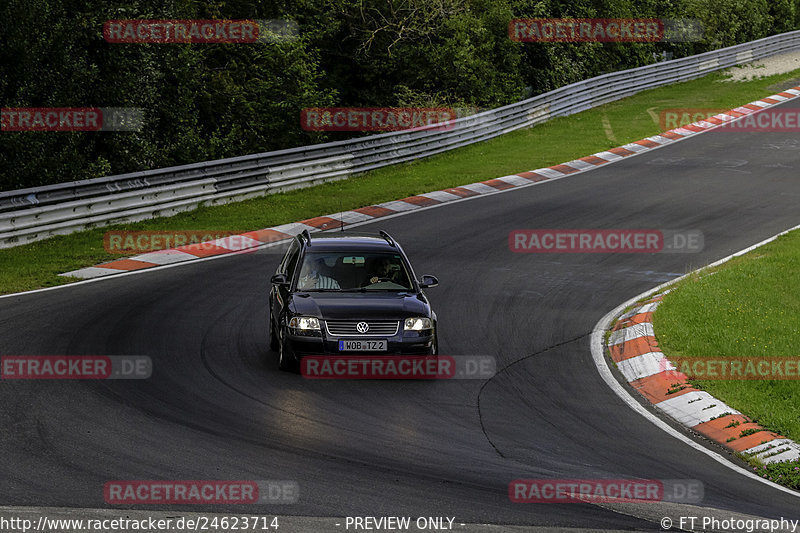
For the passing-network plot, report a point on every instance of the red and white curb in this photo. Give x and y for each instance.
(633, 347)
(251, 240)
(639, 314)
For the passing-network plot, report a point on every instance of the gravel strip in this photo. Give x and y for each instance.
(779, 64)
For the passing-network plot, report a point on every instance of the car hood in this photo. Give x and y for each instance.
(358, 305)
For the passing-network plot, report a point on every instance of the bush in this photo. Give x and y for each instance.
(210, 101)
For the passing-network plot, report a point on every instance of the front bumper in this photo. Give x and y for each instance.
(402, 343)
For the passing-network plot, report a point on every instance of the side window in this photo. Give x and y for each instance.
(289, 259)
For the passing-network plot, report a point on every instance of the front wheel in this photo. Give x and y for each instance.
(285, 361)
(274, 342)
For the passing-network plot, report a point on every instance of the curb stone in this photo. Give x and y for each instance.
(633, 347)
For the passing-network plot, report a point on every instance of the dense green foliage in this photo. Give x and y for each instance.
(209, 101)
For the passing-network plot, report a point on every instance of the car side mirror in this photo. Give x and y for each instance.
(428, 281)
(279, 279)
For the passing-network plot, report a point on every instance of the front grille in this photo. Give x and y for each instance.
(381, 328)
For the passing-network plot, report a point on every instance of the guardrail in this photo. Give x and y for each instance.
(28, 215)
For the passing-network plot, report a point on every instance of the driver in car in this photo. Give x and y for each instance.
(383, 271)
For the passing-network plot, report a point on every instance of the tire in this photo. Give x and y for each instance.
(285, 363)
(274, 343)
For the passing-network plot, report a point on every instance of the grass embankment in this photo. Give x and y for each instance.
(562, 139)
(749, 307)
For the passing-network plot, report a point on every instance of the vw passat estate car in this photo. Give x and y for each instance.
(348, 294)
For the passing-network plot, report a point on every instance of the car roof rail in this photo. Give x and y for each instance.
(305, 235)
(388, 238)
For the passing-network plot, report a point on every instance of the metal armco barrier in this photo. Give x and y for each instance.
(28, 215)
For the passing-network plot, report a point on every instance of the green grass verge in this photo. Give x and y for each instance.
(747, 308)
(38, 264)
(786, 473)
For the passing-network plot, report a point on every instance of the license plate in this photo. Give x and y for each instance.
(363, 346)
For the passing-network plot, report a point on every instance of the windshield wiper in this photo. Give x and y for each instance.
(385, 289)
(323, 290)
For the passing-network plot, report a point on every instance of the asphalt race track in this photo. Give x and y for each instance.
(217, 407)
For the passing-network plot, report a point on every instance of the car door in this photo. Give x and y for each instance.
(279, 294)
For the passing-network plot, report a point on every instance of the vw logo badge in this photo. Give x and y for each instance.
(362, 327)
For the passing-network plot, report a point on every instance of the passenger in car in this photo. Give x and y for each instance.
(313, 278)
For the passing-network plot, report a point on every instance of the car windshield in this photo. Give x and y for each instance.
(348, 271)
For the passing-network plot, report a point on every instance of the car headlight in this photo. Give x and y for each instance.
(304, 323)
(418, 324)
